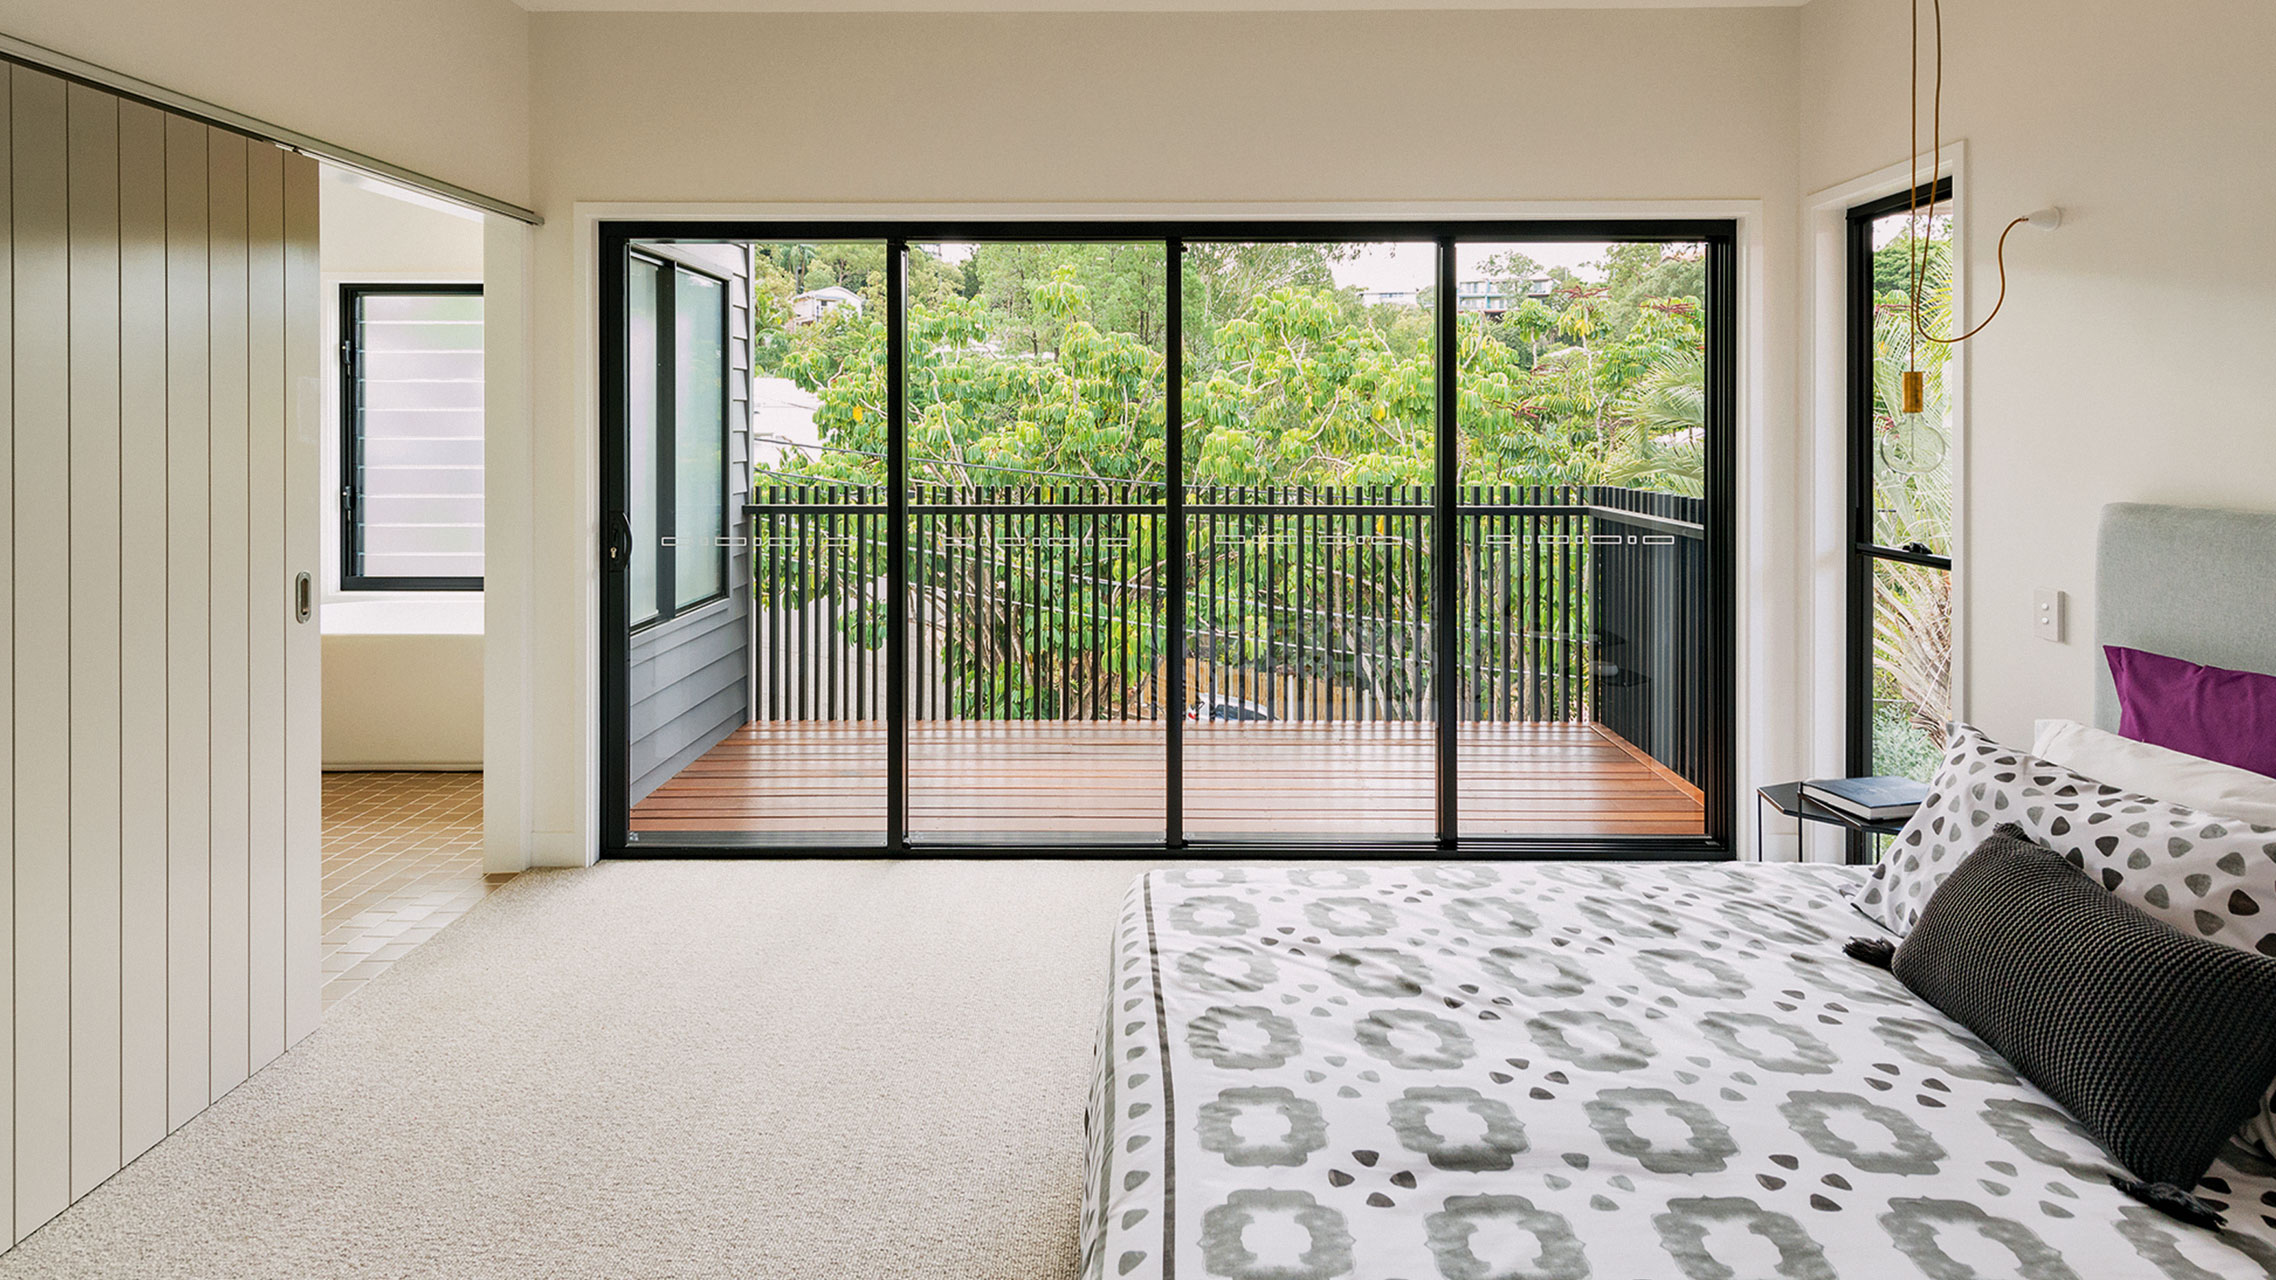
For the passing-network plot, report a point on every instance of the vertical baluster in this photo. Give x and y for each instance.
(1099, 567)
(770, 564)
(924, 608)
(1472, 652)
(762, 570)
(1577, 549)
(1506, 533)
(1303, 698)
(1536, 567)
(1561, 554)
(1211, 578)
(1345, 612)
(1051, 600)
(830, 589)
(797, 592)
(1269, 570)
(1428, 609)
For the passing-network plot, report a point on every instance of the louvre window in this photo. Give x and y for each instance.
(411, 433)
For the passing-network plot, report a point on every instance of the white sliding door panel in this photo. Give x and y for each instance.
(304, 686)
(141, 504)
(189, 743)
(95, 614)
(94, 636)
(159, 491)
(231, 615)
(8, 686)
(39, 173)
(269, 596)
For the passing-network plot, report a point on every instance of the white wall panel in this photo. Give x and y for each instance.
(229, 622)
(93, 128)
(158, 493)
(39, 181)
(304, 682)
(267, 597)
(143, 739)
(7, 687)
(189, 744)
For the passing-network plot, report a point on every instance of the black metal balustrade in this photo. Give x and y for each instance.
(1048, 602)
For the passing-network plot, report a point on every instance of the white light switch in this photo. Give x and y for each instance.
(2047, 614)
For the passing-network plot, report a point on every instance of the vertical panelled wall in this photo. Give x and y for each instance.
(158, 780)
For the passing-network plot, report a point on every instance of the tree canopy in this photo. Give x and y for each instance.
(1049, 359)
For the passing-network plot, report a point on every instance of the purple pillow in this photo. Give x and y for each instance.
(2208, 712)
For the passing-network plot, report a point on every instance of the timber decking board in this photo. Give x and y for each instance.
(1024, 778)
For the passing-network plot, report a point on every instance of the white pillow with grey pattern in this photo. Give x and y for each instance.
(2208, 876)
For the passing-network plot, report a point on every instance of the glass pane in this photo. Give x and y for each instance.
(808, 767)
(699, 438)
(1582, 570)
(1912, 667)
(1912, 452)
(1036, 400)
(1309, 459)
(418, 398)
(641, 423)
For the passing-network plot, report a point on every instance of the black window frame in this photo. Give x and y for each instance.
(1866, 551)
(350, 508)
(617, 241)
(668, 605)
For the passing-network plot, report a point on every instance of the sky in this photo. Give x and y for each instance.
(1382, 267)
(1414, 266)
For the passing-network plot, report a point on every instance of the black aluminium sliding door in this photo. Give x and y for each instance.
(1305, 538)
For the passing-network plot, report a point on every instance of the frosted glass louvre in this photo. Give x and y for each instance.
(417, 464)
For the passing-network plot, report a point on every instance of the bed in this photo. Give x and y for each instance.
(1624, 1071)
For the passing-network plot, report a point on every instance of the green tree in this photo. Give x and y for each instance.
(1034, 367)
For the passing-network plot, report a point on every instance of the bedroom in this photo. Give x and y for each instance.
(724, 1097)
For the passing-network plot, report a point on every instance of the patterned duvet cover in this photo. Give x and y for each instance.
(1552, 1071)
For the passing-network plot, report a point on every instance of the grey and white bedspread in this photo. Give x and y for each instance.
(1554, 1071)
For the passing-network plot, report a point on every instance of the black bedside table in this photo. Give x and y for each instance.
(1786, 797)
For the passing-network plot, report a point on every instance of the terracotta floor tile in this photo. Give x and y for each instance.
(402, 858)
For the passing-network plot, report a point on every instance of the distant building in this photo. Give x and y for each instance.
(1496, 297)
(813, 304)
(1490, 298)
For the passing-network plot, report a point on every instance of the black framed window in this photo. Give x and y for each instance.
(1597, 598)
(676, 438)
(411, 437)
(1900, 483)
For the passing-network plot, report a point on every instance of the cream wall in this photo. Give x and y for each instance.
(439, 86)
(395, 700)
(402, 669)
(2130, 362)
(1285, 111)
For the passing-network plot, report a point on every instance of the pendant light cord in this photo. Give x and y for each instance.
(1916, 252)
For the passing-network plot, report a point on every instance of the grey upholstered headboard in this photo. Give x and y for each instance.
(2185, 581)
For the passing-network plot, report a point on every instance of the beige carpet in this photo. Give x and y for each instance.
(746, 1069)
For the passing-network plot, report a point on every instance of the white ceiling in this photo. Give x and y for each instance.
(1108, 6)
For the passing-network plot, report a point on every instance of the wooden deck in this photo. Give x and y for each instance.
(983, 779)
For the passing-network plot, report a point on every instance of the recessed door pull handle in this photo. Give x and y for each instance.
(303, 598)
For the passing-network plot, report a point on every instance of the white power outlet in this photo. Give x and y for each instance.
(2047, 614)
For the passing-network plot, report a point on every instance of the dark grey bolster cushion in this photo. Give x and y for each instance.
(2160, 1043)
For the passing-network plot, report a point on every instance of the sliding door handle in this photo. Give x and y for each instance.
(616, 550)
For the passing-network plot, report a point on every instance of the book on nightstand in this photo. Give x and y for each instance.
(1869, 799)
